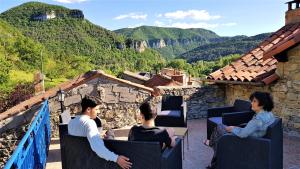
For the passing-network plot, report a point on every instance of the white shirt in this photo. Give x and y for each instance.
(84, 126)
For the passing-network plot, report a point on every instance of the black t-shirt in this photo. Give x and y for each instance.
(139, 133)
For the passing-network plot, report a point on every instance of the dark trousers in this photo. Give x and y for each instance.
(217, 133)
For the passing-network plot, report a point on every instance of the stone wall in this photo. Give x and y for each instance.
(119, 102)
(12, 130)
(243, 92)
(9, 141)
(198, 98)
(286, 91)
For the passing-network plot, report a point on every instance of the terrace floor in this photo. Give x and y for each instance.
(198, 156)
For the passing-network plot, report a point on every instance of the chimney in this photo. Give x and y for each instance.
(292, 15)
(38, 83)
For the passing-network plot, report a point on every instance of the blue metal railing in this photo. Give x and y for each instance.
(32, 150)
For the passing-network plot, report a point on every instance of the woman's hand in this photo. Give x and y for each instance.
(123, 162)
(229, 128)
(173, 141)
(171, 132)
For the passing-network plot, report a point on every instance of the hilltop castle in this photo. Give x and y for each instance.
(44, 16)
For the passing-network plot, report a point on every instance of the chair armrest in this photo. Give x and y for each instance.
(140, 153)
(217, 112)
(63, 130)
(184, 111)
(172, 157)
(158, 107)
(169, 150)
(98, 122)
(237, 118)
(246, 153)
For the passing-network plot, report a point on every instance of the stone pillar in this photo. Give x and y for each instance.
(38, 83)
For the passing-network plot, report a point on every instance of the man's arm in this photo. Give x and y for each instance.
(97, 143)
(168, 137)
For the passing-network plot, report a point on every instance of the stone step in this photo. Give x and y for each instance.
(54, 159)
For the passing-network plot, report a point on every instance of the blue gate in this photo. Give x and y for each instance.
(31, 152)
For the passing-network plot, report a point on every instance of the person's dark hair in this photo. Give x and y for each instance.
(87, 102)
(264, 99)
(147, 111)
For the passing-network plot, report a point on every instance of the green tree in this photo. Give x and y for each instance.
(178, 64)
(5, 67)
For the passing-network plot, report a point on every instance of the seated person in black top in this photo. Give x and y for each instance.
(148, 132)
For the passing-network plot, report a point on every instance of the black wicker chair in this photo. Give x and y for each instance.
(252, 153)
(64, 119)
(77, 153)
(171, 112)
(238, 114)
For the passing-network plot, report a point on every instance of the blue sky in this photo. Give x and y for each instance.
(225, 17)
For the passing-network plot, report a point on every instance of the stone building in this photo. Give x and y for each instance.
(134, 77)
(273, 66)
(166, 77)
(177, 75)
(119, 101)
(161, 80)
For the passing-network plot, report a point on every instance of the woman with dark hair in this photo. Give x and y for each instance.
(148, 132)
(262, 104)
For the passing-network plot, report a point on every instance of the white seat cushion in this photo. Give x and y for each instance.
(173, 113)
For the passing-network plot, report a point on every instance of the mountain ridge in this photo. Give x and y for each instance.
(180, 43)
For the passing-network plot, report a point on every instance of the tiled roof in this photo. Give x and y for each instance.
(161, 80)
(258, 66)
(285, 43)
(137, 76)
(66, 86)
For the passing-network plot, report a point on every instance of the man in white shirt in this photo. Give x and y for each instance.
(84, 126)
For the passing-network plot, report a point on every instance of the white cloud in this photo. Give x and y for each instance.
(70, 1)
(191, 14)
(229, 24)
(132, 15)
(185, 25)
(159, 15)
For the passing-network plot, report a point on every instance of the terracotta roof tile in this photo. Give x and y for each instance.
(272, 62)
(259, 64)
(277, 40)
(290, 38)
(217, 73)
(270, 78)
(268, 46)
(161, 80)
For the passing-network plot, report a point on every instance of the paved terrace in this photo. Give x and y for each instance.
(198, 156)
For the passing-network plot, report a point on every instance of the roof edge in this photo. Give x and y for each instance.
(131, 74)
(282, 46)
(234, 82)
